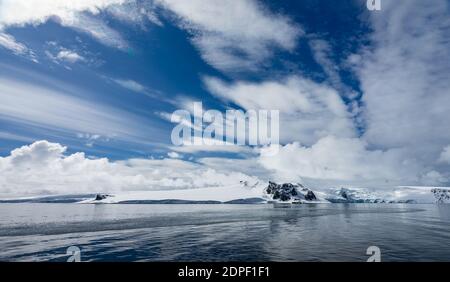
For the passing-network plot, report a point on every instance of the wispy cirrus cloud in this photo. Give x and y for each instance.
(131, 85)
(9, 42)
(44, 107)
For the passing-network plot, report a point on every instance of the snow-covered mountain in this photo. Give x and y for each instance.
(346, 195)
(288, 192)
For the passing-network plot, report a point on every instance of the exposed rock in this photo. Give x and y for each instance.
(245, 183)
(343, 194)
(289, 192)
(100, 197)
(441, 195)
(310, 196)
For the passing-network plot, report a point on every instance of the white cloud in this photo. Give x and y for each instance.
(308, 111)
(347, 161)
(99, 30)
(78, 14)
(249, 166)
(44, 168)
(234, 35)
(322, 53)
(221, 30)
(135, 12)
(403, 75)
(406, 98)
(204, 145)
(131, 85)
(137, 87)
(174, 155)
(91, 139)
(9, 42)
(45, 108)
(22, 12)
(69, 56)
(405, 78)
(4, 135)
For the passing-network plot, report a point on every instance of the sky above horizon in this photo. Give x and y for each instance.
(87, 89)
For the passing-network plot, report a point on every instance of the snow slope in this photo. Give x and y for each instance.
(210, 194)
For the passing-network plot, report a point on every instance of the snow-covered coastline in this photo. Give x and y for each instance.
(203, 195)
(257, 193)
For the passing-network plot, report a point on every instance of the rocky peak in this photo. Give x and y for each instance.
(100, 197)
(289, 192)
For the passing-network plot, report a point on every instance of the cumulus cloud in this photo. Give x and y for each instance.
(346, 160)
(45, 168)
(234, 35)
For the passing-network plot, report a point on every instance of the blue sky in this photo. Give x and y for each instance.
(101, 76)
(161, 58)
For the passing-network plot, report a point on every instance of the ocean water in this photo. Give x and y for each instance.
(322, 232)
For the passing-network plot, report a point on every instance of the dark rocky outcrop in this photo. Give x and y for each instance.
(289, 192)
(310, 196)
(100, 197)
(441, 195)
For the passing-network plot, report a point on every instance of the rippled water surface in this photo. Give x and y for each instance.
(325, 232)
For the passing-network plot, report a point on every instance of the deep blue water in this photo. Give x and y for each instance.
(325, 232)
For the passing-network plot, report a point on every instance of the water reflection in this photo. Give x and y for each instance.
(224, 232)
